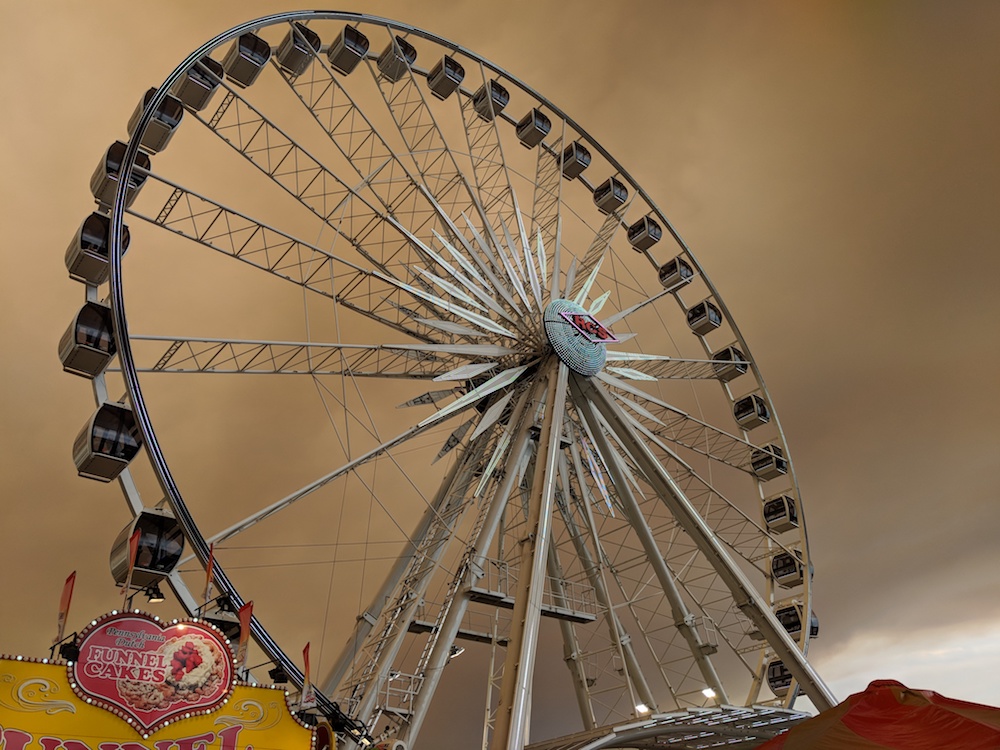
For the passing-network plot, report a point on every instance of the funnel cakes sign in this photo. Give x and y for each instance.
(150, 672)
(40, 711)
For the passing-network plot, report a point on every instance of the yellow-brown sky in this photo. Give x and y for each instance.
(834, 166)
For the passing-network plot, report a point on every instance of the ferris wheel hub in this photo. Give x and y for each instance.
(576, 336)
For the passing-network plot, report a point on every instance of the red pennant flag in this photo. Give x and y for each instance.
(133, 548)
(245, 614)
(133, 552)
(209, 570)
(64, 602)
(308, 691)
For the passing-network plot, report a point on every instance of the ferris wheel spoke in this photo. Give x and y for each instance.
(255, 137)
(447, 306)
(681, 429)
(485, 149)
(591, 261)
(351, 466)
(522, 261)
(359, 141)
(431, 280)
(497, 382)
(475, 285)
(426, 146)
(441, 180)
(210, 224)
(517, 283)
(546, 206)
(347, 126)
(622, 314)
(640, 366)
(372, 232)
(491, 281)
(410, 203)
(200, 355)
(534, 251)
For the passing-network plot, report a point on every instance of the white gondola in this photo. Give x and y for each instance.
(104, 181)
(297, 49)
(610, 195)
(161, 544)
(533, 127)
(675, 273)
(575, 158)
(781, 513)
(196, 86)
(790, 617)
(704, 318)
(769, 462)
(730, 363)
(350, 48)
(751, 411)
(107, 443)
(779, 679)
(88, 344)
(396, 59)
(787, 570)
(490, 100)
(445, 77)
(87, 254)
(163, 124)
(644, 234)
(245, 59)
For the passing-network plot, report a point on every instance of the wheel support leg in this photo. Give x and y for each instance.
(616, 631)
(440, 652)
(744, 594)
(512, 712)
(571, 646)
(683, 620)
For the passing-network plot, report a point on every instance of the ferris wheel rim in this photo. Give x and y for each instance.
(121, 330)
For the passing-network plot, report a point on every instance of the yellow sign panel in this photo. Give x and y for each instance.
(39, 711)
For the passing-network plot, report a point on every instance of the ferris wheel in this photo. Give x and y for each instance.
(428, 371)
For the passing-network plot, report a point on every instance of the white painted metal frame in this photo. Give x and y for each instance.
(441, 253)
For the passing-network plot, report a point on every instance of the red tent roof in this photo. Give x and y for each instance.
(891, 716)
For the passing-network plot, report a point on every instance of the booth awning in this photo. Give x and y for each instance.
(890, 716)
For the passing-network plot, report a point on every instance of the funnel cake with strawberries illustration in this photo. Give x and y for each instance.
(194, 669)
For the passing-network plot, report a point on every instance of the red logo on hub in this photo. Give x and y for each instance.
(590, 327)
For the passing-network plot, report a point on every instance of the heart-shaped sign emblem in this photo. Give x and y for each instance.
(150, 673)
